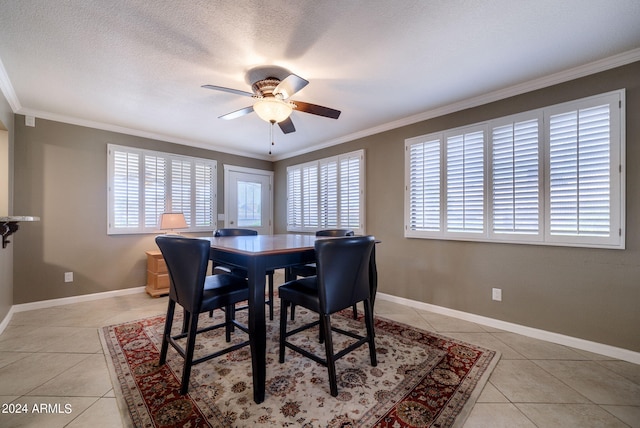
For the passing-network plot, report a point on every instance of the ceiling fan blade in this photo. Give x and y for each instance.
(230, 90)
(287, 126)
(316, 109)
(237, 113)
(290, 85)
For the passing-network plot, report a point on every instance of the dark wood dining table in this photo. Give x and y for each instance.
(258, 254)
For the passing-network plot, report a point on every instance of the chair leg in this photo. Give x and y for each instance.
(283, 328)
(290, 277)
(321, 332)
(368, 317)
(355, 311)
(325, 320)
(185, 320)
(232, 310)
(188, 358)
(271, 296)
(167, 331)
(228, 324)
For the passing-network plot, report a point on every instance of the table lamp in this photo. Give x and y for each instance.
(171, 221)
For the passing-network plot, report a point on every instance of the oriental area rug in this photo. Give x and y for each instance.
(422, 379)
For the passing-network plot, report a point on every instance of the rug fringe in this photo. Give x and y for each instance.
(125, 416)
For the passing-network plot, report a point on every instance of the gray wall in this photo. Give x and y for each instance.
(592, 294)
(6, 254)
(61, 176)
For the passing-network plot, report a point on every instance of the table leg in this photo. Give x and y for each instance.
(257, 327)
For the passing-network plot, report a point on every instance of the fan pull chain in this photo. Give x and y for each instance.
(271, 135)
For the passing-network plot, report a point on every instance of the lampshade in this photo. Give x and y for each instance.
(172, 221)
(272, 109)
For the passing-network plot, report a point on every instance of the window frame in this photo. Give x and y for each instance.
(616, 165)
(616, 189)
(207, 168)
(298, 219)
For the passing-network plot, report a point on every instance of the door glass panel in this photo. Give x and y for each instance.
(249, 204)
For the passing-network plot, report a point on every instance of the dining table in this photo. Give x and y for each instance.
(258, 254)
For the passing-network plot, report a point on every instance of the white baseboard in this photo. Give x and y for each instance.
(585, 345)
(65, 301)
(5, 321)
(574, 342)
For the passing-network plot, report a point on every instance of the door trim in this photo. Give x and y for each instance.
(245, 170)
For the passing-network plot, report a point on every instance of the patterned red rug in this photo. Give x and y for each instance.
(422, 380)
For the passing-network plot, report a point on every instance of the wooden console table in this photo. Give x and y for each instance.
(157, 274)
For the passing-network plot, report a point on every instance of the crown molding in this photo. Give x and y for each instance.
(532, 85)
(543, 82)
(7, 89)
(135, 132)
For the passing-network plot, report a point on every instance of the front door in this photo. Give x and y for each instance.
(248, 199)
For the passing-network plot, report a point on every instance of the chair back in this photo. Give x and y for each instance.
(234, 232)
(187, 260)
(343, 271)
(335, 232)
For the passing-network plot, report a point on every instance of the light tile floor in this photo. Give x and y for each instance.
(52, 359)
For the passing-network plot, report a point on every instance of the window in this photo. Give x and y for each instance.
(248, 198)
(326, 194)
(424, 214)
(249, 204)
(143, 184)
(464, 154)
(550, 176)
(515, 177)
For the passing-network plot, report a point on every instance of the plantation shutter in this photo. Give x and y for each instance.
(554, 175)
(580, 174)
(294, 198)
(126, 199)
(181, 189)
(143, 184)
(515, 178)
(424, 186)
(154, 189)
(205, 191)
(310, 216)
(465, 182)
(329, 194)
(350, 191)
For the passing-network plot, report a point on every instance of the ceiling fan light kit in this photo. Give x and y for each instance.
(272, 109)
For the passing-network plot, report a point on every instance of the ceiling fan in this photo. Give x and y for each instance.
(272, 88)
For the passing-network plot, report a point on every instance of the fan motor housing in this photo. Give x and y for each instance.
(265, 87)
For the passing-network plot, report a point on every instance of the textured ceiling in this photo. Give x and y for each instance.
(137, 66)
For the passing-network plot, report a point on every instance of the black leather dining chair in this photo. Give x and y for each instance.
(241, 272)
(342, 280)
(310, 268)
(187, 261)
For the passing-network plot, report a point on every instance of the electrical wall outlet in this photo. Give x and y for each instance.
(496, 294)
(68, 277)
